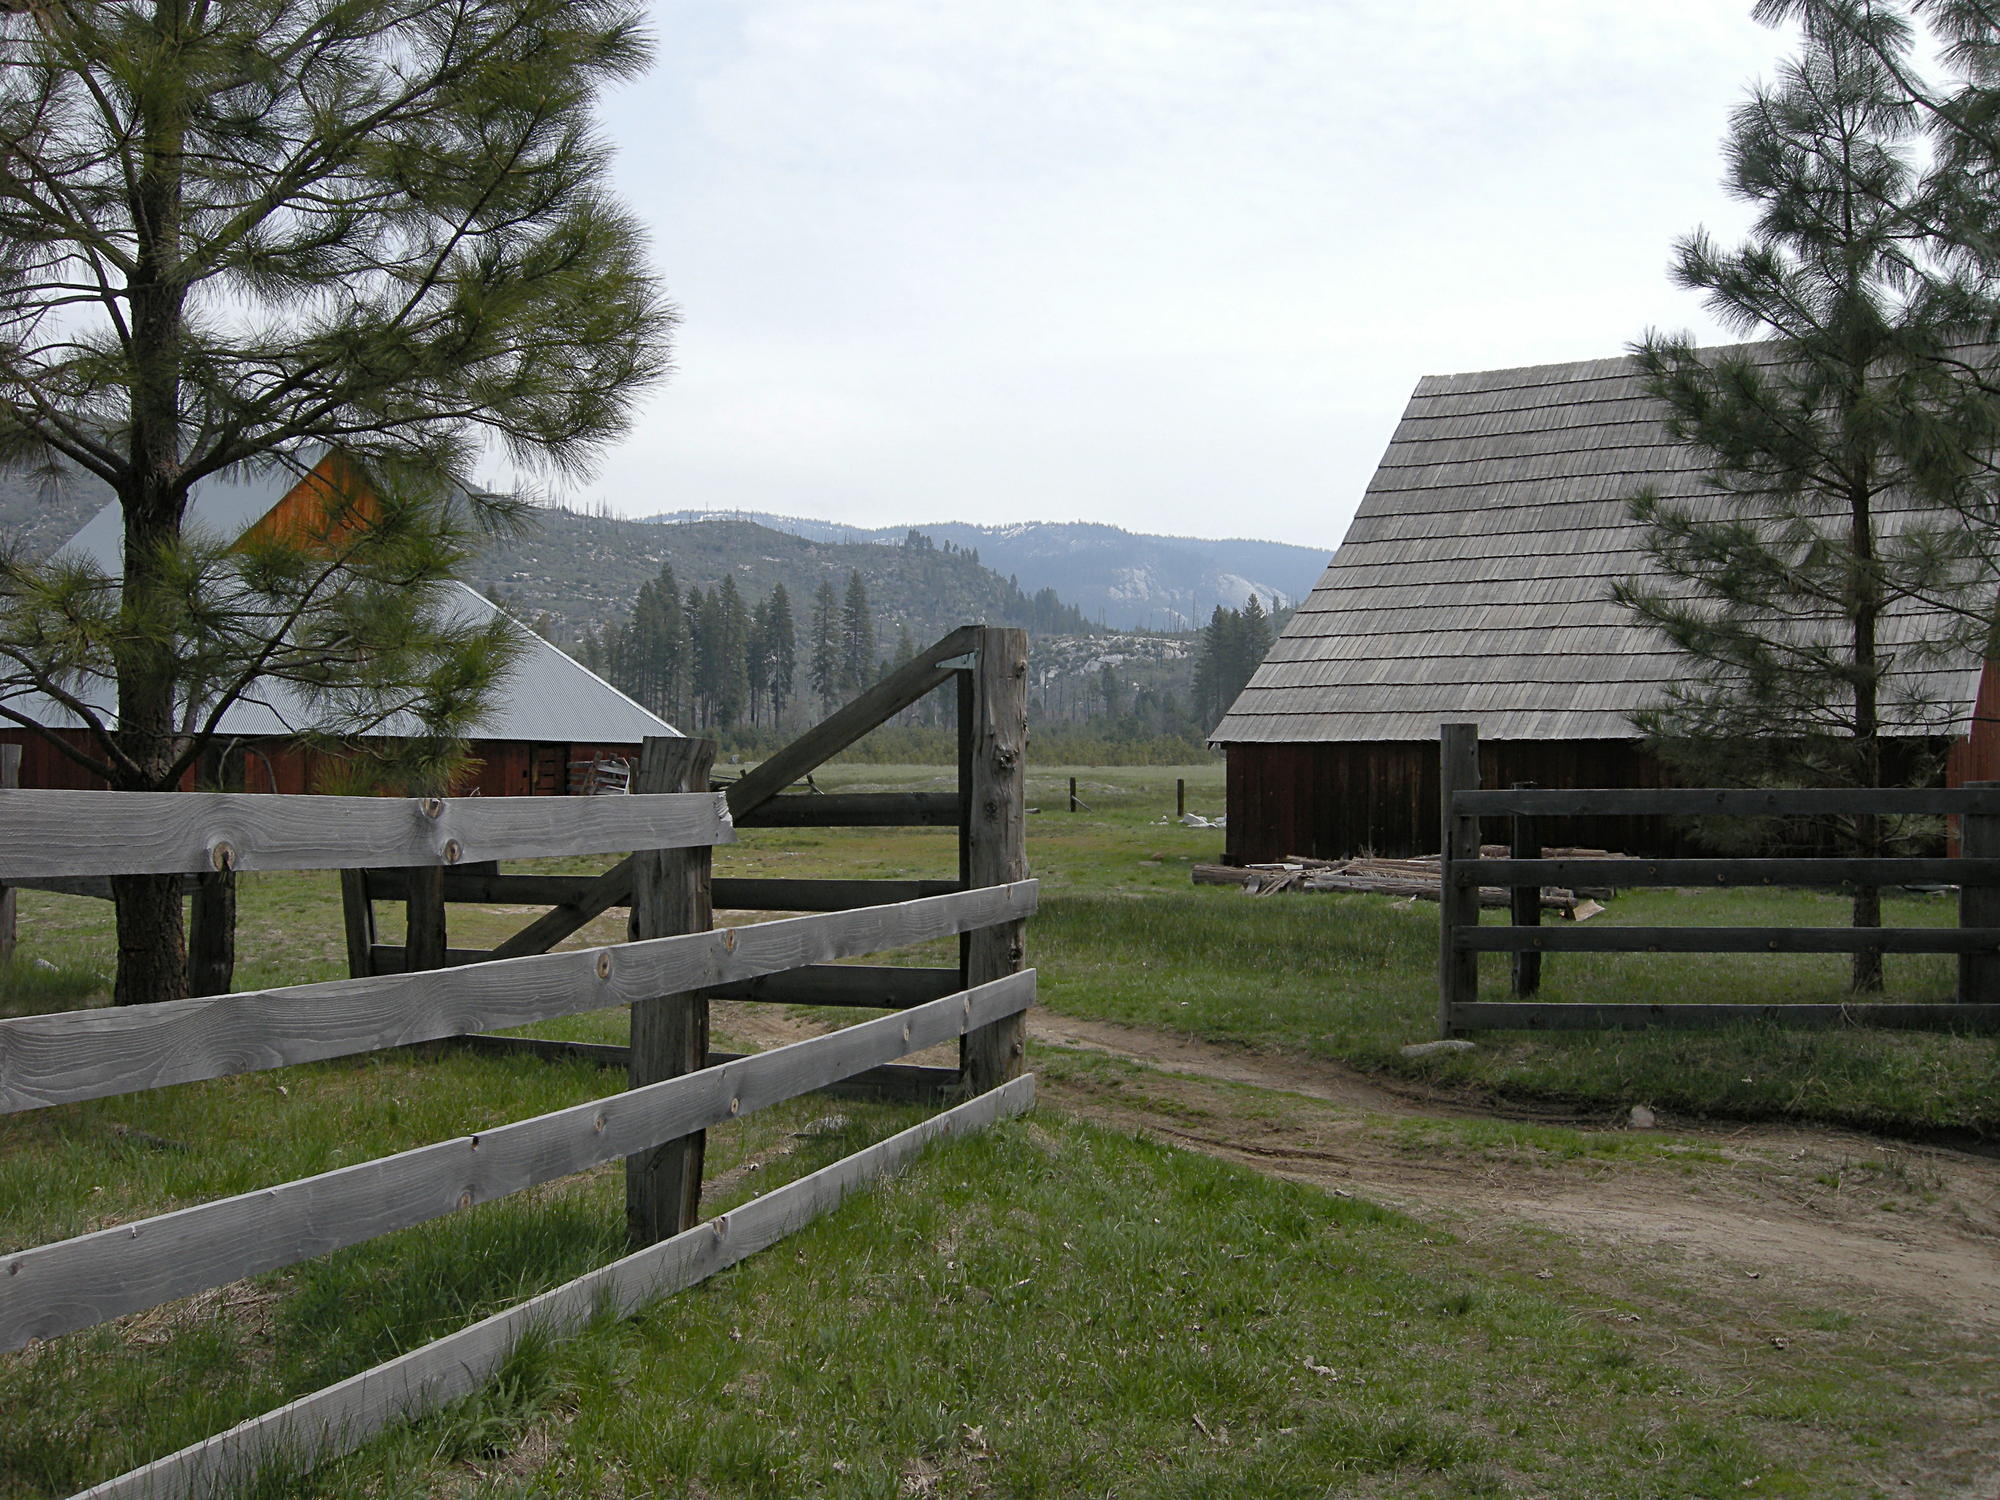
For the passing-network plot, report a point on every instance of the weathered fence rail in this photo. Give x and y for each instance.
(67, 834)
(76, 1283)
(335, 1420)
(1462, 939)
(677, 1087)
(87, 1054)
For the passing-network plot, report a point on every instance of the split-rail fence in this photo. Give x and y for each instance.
(1462, 938)
(674, 961)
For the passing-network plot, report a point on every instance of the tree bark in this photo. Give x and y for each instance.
(1865, 976)
(211, 943)
(152, 940)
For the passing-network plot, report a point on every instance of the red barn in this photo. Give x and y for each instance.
(551, 722)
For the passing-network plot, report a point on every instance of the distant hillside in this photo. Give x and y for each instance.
(1122, 579)
(584, 571)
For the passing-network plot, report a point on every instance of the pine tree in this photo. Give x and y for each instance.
(826, 657)
(699, 618)
(1112, 691)
(729, 654)
(653, 646)
(1253, 642)
(238, 231)
(782, 651)
(1218, 674)
(857, 635)
(672, 647)
(1843, 458)
(757, 663)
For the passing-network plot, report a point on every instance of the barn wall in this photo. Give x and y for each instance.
(1977, 756)
(505, 768)
(1330, 801)
(42, 765)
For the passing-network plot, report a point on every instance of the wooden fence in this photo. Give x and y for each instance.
(1976, 871)
(655, 1125)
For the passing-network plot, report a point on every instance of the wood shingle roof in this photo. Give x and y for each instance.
(1473, 583)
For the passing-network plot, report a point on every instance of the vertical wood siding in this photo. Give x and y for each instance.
(505, 768)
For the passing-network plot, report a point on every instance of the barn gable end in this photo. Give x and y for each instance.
(1473, 586)
(551, 711)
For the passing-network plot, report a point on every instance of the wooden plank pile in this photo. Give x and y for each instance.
(1416, 879)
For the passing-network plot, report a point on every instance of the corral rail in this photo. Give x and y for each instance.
(1976, 871)
(54, 1059)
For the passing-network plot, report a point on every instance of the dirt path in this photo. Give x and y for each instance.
(1878, 1221)
(1864, 1220)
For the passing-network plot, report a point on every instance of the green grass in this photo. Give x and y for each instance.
(1124, 936)
(1055, 1310)
(1049, 1309)
(84, 1407)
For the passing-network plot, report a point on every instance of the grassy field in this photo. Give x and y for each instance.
(1052, 1309)
(1049, 1310)
(1124, 936)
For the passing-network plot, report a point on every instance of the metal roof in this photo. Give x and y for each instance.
(1473, 583)
(548, 696)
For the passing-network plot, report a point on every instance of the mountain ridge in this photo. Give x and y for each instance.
(1125, 580)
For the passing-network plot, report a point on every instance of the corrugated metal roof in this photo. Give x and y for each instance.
(548, 697)
(1472, 583)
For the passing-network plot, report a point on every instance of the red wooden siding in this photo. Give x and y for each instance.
(505, 768)
(1977, 756)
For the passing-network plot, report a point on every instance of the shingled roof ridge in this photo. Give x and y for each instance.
(1500, 506)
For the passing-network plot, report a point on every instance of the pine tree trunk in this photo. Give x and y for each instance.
(1867, 972)
(1865, 977)
(211, 940)
(152, 939)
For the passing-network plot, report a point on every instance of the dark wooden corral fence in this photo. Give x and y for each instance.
(1976, 940)
(986, 671)
(655, 1125)
(10, 777)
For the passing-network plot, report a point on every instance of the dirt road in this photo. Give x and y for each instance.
(1873, 1220)
(1863, 1220)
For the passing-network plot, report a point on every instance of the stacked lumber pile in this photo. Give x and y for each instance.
(1415, 879)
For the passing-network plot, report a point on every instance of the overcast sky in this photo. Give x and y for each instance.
(1169, 264)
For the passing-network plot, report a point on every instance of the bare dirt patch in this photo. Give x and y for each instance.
(1870, 1222)
(1876, 1221)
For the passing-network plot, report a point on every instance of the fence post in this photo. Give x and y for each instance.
(1180, 796)
(1979, 905)
(10, 776)
(670, 896)
(965, 693)
(423, 919)
(1458, 840)
(1072, 794)
(357, 920)
(998, 848)
(1525, 901)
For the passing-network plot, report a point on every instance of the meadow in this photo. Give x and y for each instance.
(1055, 1308)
